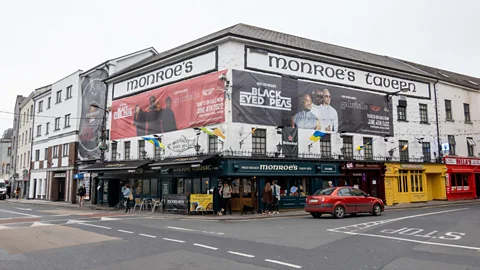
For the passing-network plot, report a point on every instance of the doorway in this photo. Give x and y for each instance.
(34, 188)
(61, 189)
(244, 192)
(477, 184)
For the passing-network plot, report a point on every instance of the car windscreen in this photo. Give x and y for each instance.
(2, 185)
(325, 191)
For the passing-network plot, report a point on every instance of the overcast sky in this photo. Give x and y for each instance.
(43, 41)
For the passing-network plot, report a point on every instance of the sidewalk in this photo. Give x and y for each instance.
(236, 216)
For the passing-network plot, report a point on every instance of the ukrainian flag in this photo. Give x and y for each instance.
(154, 141)
(316, 135)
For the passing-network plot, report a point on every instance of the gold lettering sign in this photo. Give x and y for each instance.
(115, 165)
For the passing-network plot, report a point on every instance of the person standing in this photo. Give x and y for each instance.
(127, 194)
(139, 121)
(305, 118)
(168, 117)
(81, 193)
(17, 193)
(267, 198)
(327, 115)
(276, 196)
(226, 193)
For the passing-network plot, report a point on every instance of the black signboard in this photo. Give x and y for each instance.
(175, 202)
(290, 141)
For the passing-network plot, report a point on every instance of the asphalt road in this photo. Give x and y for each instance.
(43, 237)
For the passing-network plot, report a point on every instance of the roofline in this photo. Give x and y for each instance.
(119, 58)
(46, 86)
(79, 70)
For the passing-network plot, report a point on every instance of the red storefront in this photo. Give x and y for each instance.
(369, 177)
(463, 178)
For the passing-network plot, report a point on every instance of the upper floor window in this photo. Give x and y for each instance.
(142, 154)
(31, 111)
(423, 113)
(57, 123)
(65, 149)
(212, 144)
(69, 92)
(368, 148)
(49, 101)
(325, 146)
(426, 152)
(259, 141)
(126, 150)
(39, 130)
(59, 96)
(55, 151)
(37, 155)
(471, 146)
(448, 109)
(67, 120)
(47, 127)
(466, 112)
(114, 151)
(347, 146)
(404, 157)
(452, 145)
(40, 106)
(402, 113)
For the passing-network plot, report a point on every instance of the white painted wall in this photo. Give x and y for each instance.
(459, 95)
(25, 127)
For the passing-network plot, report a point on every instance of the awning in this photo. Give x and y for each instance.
(117, 165)
(182, 160)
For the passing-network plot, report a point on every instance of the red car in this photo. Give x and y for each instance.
(339, 201)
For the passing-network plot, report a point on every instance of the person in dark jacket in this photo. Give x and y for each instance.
(139, 121)
(168, 117)
(267, 198)
(82, 191)
(153, 117)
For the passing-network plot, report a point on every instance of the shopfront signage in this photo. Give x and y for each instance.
(462, 161)
(329, 168)
(187, 68)
(273, 167)
(176, 202)
(181, 144)
(60, 175)
(78, 176)
(411, 166)
(195, 168)
(351, 165)
(274, 62)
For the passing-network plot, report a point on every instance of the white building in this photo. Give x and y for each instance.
(5, 153)
(67, 126)
(15, 140)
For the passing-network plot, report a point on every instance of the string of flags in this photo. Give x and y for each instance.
(154, 141)
(215, 132)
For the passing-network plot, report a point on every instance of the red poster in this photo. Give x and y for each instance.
(191, 103)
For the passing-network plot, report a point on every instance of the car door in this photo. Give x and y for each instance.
(362, 202)
(345, 196)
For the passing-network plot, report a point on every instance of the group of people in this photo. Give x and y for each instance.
(270, 198)
(154, 119)
(16, 192)
(316, 113)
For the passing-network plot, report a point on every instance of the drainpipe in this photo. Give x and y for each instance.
(440, 154)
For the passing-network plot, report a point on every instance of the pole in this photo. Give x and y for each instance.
(103, 136)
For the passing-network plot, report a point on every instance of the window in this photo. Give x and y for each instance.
(57, 123)
(357, 192)
(69, 92)
(49, 101)
(114, 151)
(403, 153)
(423, 113)
(21, 160)
(31, 111)
(212, 144)
(39, 130)
(426, 152)
(30, 135)
(471, 146)
(47, 127)
(65, 148)
(402, 112)
(28, 114)
(452, 144)
(348, 146)
(448, 109)
(29, 158)
(126, 150)
(416, 181)
(67, 120)
(344, 192)
(325, 146)
(55, 151)
(368, 148)
(141, 149)
(59, 96)
(37, 155)
(46, 154)
(259, 141)
(459, 181)
(40, 106)
(9, 151)
(466, 112)
(403, 181)
(24, 118)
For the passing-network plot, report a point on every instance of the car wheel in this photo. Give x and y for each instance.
(339, 212)
(377, 210)
(316, 215)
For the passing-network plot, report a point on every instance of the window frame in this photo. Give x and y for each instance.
(423, 109)
(55, 151)
(65, 152)
(402, 113)
(347, 144)
(452, 145)
(466, 113)
(448, 110)
(57, 124)
(403, 155)
(69, 92)
(37, 155)
(326, 146)
(125, 144)
(471, 146)
(40, 106)
(424, 148)
(114, 151)
(58, 97)
(67, 120)
(259, 142)
(39, 130)
(49, 102)
(367, 147)
(212, 144)
(141, 148)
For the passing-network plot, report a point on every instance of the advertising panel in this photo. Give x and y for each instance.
(176, 202)
(290, 141)
(191, 103)
(93, 93)
(283, 101)
(201, 202)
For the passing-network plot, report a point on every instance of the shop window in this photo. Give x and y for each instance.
(247, 187)
(235, 184)
(347, 146)
(180, 183)
(452, 145)
(304, 187)
(326, 146)
(471, 146)
(205, 186)
(154, 187)
(196, 186)
(368, 148)
(138, 186)
(423, 114)
(466, 112)
(188, 186)
(259, 141)
(402, 112)
(426, 152)
(403, 181)
(459, 182)
(416, 181)
(212, 144)
(448, 109)
(403, 151)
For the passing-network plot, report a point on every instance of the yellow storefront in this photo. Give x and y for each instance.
(408, 183)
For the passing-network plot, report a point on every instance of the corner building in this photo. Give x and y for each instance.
(267, 92)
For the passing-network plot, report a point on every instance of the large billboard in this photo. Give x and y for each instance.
(93, 93)
(284, 101)
(190, 103)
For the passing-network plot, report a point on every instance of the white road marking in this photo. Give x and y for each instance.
(25, 209)
(3, 227)
(17, 213)
(241, 254)
(191, 230)
(365, 225)
(147, 235)
(73, 221)
(62, 215)
(108, 219)
(180, 229)
(97, 226)
(173, 240)
(204, 246)
(414, 241)
(124, 231)
(284, 263)
(40, 224)
(6, 218)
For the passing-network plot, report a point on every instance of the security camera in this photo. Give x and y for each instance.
(222, 77)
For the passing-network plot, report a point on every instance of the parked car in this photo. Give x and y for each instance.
(3, 190)
(339, 201)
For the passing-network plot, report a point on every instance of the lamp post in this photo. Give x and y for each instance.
(103, 137)
(390, 95)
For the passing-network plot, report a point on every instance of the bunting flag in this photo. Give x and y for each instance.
(154, 141)
(359, 148)
(219, 134)
(208, 131)
(253, 130)
(316, 135)
(405, 147)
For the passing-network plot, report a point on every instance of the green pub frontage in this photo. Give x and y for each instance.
(205, 174)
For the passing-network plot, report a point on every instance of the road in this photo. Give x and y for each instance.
(45, 237)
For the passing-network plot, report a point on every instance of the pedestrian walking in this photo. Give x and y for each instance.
(17, 193)
(82, 191)
(226, 193)
(276, 196)
(127, 194)
(267, 198)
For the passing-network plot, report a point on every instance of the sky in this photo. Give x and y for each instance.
(44, 41)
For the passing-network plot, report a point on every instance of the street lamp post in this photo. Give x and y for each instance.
(103, 136)
(390, 95)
